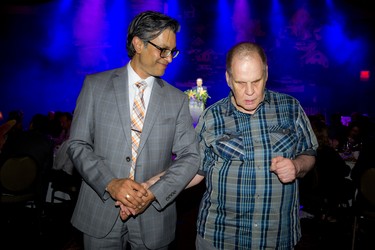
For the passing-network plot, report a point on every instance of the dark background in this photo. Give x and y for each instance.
(316, 49)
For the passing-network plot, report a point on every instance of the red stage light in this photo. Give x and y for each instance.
(364, 75)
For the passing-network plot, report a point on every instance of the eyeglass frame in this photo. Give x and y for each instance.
(164, 50)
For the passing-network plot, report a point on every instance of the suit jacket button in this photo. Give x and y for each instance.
(128, 159)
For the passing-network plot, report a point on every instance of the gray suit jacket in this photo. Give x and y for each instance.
(100, 148)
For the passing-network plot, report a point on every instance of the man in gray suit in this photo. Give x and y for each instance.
(100, 145)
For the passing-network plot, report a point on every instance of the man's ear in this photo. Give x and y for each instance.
(137, 44)
(227, 77)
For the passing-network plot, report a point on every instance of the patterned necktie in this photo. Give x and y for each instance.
(138, 115)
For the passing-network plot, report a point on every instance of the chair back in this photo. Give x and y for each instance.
(367, 186)
(18, 174)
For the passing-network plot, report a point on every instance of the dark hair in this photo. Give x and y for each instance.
(320, 129)
(67, 114)
(15, 115)
(242, 50)
(147, 26)
(39, 122)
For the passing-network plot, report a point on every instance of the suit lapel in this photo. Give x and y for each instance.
(153, 111)
(120, 85)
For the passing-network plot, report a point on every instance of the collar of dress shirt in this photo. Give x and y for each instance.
(133, 77)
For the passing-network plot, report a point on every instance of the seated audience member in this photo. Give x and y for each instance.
(332, 185)
(336, 131)
(365, 158)
(54, 124)
(354, 138)
(34, 142)
(16, 115)
(62, 161)
(4, 129)
(64, 172)
(61, 128)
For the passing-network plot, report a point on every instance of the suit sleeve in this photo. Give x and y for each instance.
(186, 162)
(81, 142)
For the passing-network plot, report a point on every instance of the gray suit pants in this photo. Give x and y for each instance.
(119, 238)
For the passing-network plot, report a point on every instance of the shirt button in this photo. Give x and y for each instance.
(256, 225)
(128, 159)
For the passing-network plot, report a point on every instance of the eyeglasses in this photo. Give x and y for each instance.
(166, 52)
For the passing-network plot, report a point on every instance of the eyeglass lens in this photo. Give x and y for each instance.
(165, 52)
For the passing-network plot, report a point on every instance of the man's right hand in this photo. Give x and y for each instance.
(128, 192)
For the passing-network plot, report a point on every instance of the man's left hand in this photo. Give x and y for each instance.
(126, 212)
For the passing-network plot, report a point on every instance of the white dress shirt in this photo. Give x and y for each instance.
(133, 89)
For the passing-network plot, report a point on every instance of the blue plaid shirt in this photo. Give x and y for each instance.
(245, 205)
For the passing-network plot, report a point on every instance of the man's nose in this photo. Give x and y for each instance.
(249, 89)
(169, 58)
